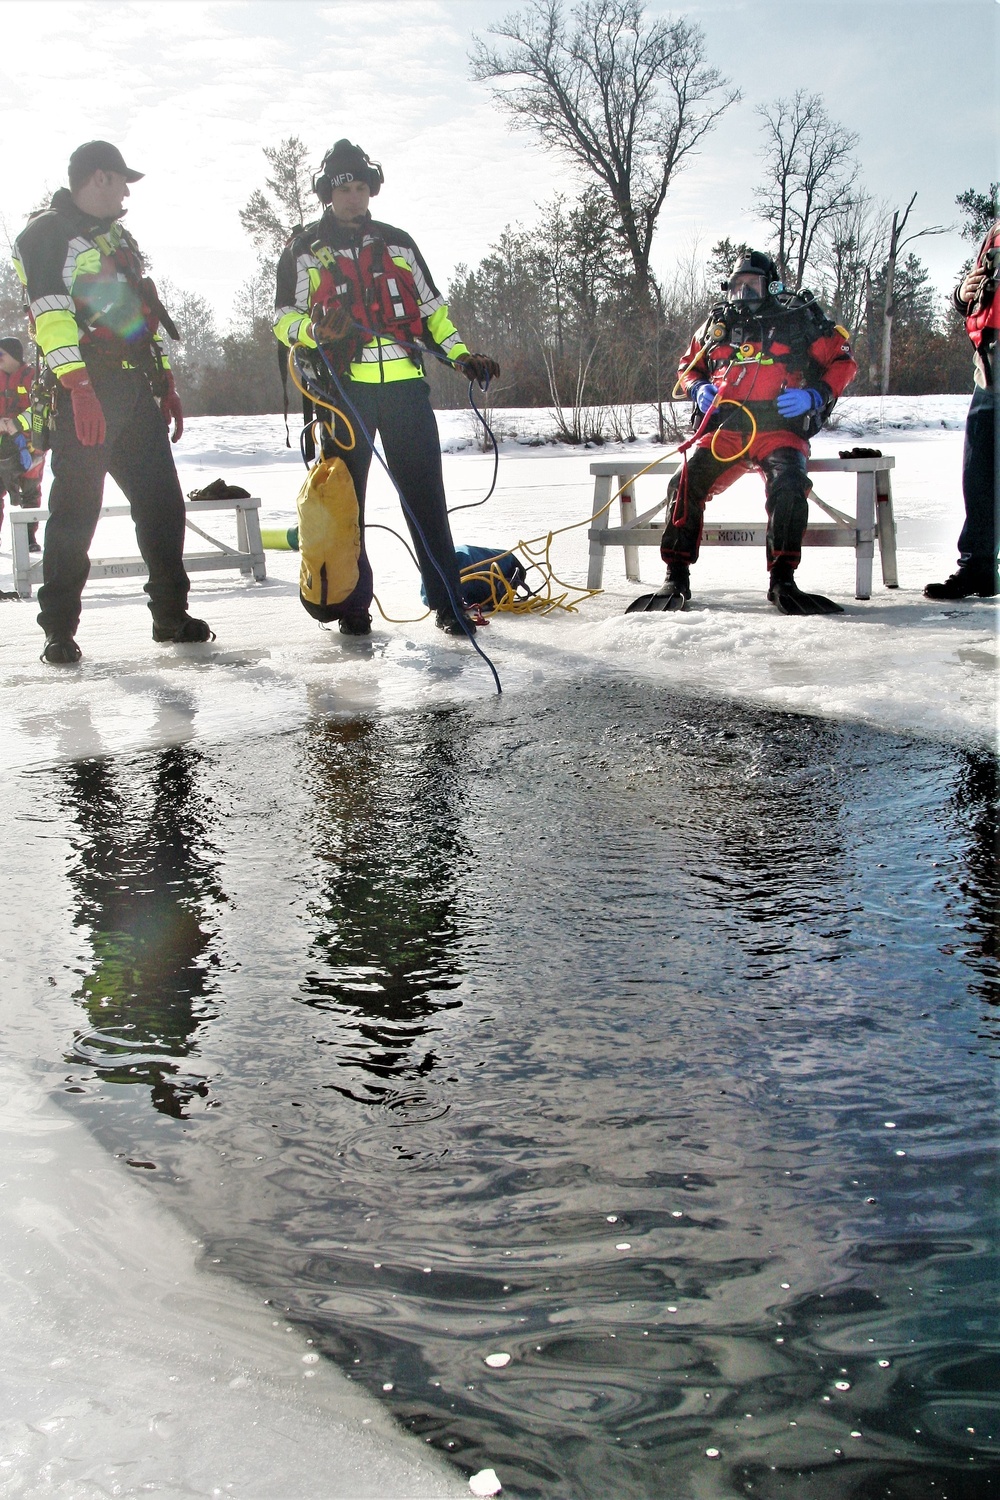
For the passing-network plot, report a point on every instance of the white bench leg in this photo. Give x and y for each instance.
(865, 543)
(886, 528)
(22, 558)
(628, 519)
(595, 567)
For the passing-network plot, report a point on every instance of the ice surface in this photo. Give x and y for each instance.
(896, 661)
(127, 1371)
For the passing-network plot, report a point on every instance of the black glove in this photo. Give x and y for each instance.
(330, 323)
(478, 367)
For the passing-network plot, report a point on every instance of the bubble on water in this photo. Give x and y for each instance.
(842, 1385)
(676, 1213)
(623, 1245)
(855, 1434)
(786, 1286)
(426, 1270)
(890, 1124)
(612, 1218)
(712, 1453)
(485, 1483)
(377, 1264)
(900, 1153)
(310, 1359)
(497, 1361)
(671, 1308)
(883, 1364)
(387, 1386)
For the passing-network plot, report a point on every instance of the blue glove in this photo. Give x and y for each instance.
(797, 403)
(23, 451)
(704, 394)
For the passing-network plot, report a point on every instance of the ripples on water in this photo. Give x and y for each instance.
(647, 1041)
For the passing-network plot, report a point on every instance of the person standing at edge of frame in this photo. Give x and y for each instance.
(361, 290)
(96, 318)
(976, 299)
(20, 470)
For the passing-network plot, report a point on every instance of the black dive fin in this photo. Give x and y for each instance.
(790, 600)
(671, 598)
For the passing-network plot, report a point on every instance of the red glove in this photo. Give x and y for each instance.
(170, 406)
(88, 418)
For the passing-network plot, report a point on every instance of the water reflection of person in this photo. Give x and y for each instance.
(976, 801)
(387, 830)
(145, 882)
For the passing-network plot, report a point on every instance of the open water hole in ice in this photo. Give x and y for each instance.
(646, 1040)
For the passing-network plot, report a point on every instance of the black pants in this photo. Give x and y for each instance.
(401, 414)
(136, 453)
(978, 541)
(786, 491)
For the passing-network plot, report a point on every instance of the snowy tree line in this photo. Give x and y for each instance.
(570, 303)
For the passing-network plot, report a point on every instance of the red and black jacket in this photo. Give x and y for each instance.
(752, 357)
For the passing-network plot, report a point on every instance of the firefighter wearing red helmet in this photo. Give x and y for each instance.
(361, 290)
(780, 360)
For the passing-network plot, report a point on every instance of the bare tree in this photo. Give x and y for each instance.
(268, 223)
(626, 100)
(809, 171)
(896, 244)
(851, 249)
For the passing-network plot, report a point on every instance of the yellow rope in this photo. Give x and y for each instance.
(390, 619)
(330, 427)
(724, 401)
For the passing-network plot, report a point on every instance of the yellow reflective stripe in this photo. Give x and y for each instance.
(293, 328)
(386, 373)
(19, 268)
(86, 263)
(24, 420)
(440, 327)
(57, 330)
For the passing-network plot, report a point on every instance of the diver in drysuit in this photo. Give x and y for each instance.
(779, 356)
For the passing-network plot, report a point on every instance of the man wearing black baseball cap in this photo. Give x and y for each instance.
(96, 317)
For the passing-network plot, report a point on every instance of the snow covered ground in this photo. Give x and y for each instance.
(103, 1307)
(895, 661)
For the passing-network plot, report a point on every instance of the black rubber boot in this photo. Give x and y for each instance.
(355, 625)
(973, 577)
(182, 632)
(788, 598)
(60, 650)
(674, 595)
(448, 621)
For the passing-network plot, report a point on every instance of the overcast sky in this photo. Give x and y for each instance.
(191, 91)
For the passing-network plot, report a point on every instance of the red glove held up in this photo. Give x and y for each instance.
(88, 418)
(170, 406)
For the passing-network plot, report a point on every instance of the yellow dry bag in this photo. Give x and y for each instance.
(329, 538)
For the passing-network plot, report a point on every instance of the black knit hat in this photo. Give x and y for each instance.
(14, 348)
(345, 163)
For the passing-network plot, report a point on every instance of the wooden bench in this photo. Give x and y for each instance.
(247, 555)
(873, 519)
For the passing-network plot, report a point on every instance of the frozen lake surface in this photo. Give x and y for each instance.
(639, 1025)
